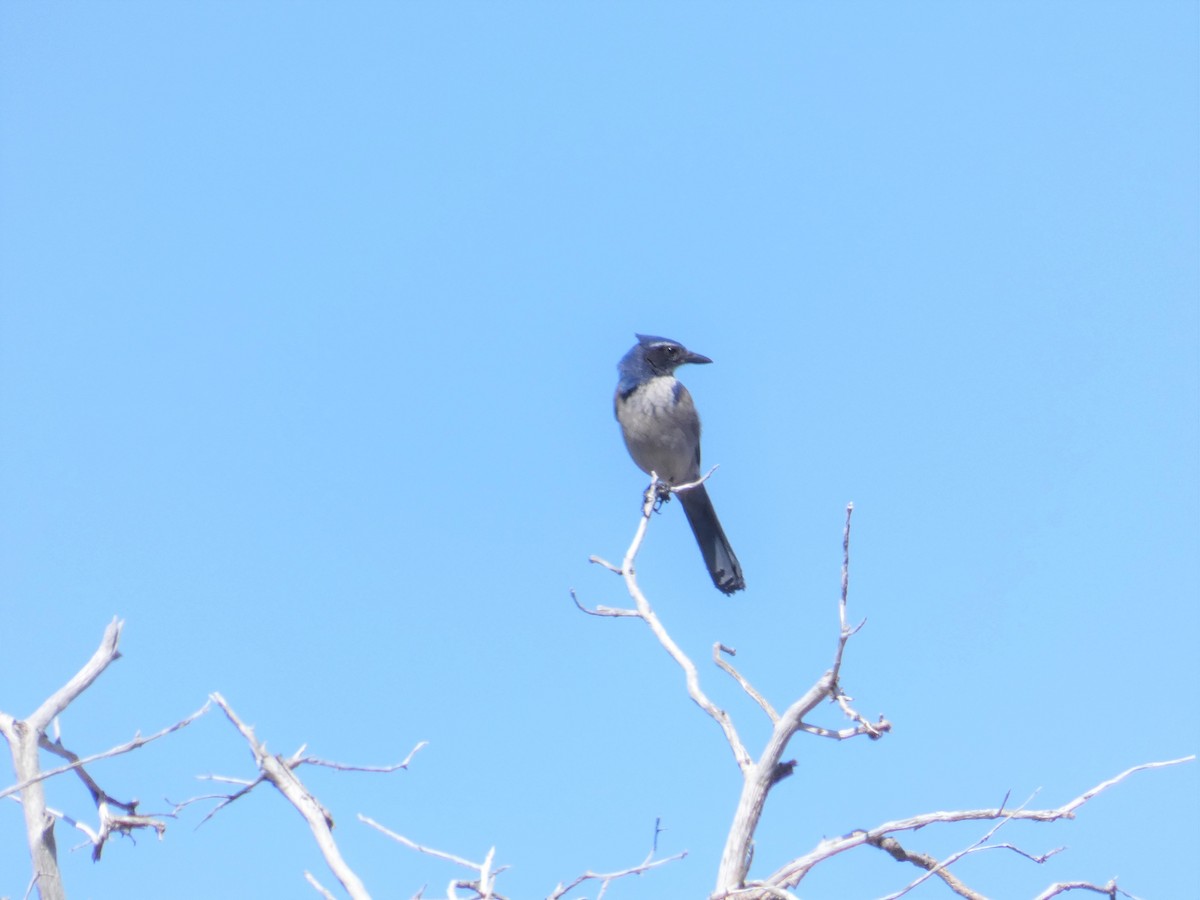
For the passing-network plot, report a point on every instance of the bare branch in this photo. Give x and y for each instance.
(680, 488)
(934, 867)
(845, 632)
(485, 887)
(105, 655)
(644, 612)
(718, 649)
(124, 824)
(600, 561)
(605, 878)
(758, 777)
(399, 838)
(791, 873)
(343, 767)
(759, 889)
(1062, 887)
(893, 848)
(136, 743)
(320, 889)
(26, 737)
(223, 799)
(1105, 785)
(872, 731)
(769, 770)
(320, 822)
(292, 762)
(604, 610)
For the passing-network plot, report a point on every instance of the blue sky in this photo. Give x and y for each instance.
(308, 323)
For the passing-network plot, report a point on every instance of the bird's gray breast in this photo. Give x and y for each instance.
(662, 429)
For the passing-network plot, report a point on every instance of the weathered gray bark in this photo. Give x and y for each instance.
(23, 737)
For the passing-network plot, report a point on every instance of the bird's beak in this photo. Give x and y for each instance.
(696, 358)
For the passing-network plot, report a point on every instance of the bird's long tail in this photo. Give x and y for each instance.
(722, 565)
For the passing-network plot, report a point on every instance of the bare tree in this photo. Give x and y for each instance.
(761, 774)
(29, 735)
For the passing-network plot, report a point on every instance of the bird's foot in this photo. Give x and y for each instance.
(660, 493)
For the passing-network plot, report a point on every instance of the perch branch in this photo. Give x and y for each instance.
(644, 612)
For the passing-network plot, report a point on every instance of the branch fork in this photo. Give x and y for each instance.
(761, 775)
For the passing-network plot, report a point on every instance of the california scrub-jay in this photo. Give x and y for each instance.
(662, 432)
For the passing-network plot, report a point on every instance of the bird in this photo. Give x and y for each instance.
(662, 433)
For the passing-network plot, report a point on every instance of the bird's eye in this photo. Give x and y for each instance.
(671, 351)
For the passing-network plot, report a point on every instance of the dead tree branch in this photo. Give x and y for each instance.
(279, 772)
(23, 738)
(1110, 889)
(128, 820)
(292, 762)
(343, 767)
(56, 747)
(26, 737)
(484, 886)
(605, 879)
(644, 612)
(761, 775)
(318, 887)
(881, 836)
(758, 776)
(751, 691)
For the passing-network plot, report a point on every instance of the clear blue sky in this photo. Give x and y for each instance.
(308, 323)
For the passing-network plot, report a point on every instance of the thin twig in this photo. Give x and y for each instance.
(320, 889)
(1062, 887)
(844, 632)
(792, 872)
(678, 488)
(718, 649)
(605, 878)
(609, 611)
(343, 767)
(135, 743)
(413, 845)
(871, 730)
(769, 770)
(485, 887)
(320, 822)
